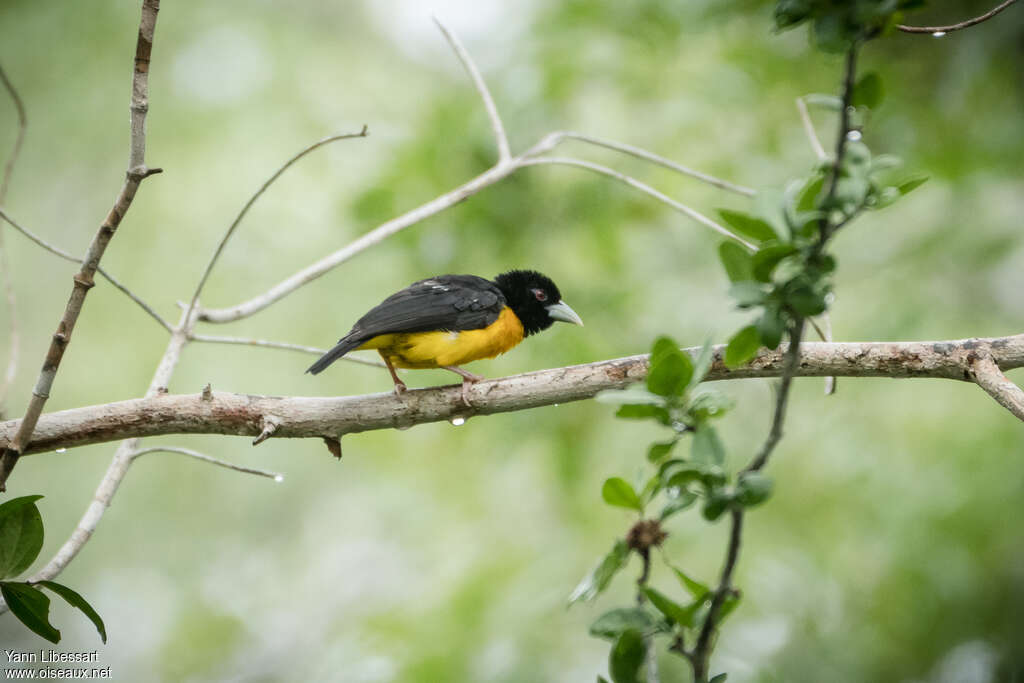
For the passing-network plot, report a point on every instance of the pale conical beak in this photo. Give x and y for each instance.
(561, 311)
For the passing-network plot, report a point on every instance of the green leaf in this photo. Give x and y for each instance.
(21, 535)
(868, 91)
(730, 603)
(911, 184)
(670, 370)
(710, 404)
(720, 678)
(626, 658)
(31, 607)
(76, 600)
(601, 679)
(634, 395)
(698, 590)
(806, 302)
(770, 327)
(617, 491)
(600, 576)
(635, 412)
(614, 623)
(676, 613)
(742, 347)
(736, 261)
(717, 503)
(706, 447)
(753, 488)
(807, 200)
(659, 451)
(747, 293)
(703, 363)
(767, 257)
(748, 226)
(677, 503)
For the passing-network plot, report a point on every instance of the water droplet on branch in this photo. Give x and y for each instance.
(938, 34)
(62, 450)
(458, 421)
(853, 135)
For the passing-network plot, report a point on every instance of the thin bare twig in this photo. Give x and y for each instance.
(206, 458)
(252, 200)
(243, 341)
(500, 138)
(83, 281)
(8, 284)
(941, 30)
(57, 251)
(336, 416)
(643, 187)
(812, 135)
(988, 375)
(660, 161)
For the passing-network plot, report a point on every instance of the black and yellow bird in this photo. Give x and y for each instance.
(449, 320)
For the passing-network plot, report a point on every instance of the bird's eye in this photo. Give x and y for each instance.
(540, 294)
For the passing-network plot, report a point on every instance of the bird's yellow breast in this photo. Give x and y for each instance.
(437, 349)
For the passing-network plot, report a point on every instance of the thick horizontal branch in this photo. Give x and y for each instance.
(298, 417)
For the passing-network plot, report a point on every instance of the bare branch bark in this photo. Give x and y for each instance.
(57, 251)
(500, 138)
(252, 200)
(988, 375)
(956, 27)
(196, 455)
(812, 135)
(263, 343)
(304, 417)
(12, 302)
(83, 281)
(643, 187)
(660, 161)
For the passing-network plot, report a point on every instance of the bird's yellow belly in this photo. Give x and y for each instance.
(423, 350)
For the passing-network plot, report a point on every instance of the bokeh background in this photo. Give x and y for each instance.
(893, 548)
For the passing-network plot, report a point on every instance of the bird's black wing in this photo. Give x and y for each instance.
(446, 302)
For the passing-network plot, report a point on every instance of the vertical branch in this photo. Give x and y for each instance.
(12, 303)
(83, 280)
(504, 153)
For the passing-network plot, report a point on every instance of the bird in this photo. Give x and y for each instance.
(449, 320)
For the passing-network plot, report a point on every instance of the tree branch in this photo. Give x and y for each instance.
(986, 372)
(263, 343)
(8, 285)
(252, 200)
(643, 187)
(83, 281)
(812, 135)
(500, 138)
(660, 161)
(206, 458)
(57, 251)
(305, 417)
(941, 30)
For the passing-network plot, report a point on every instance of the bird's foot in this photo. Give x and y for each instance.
(466, 384)
(400, 388)
(468, 380)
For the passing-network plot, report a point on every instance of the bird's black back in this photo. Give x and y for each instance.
(446, 302)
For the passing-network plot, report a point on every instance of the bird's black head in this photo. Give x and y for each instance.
(535, 300)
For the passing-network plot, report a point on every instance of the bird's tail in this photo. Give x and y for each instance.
(345, 345)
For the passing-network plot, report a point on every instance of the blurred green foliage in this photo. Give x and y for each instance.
(890, 549)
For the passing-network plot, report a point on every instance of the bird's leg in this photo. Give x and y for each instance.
(400, 387)
(468, 379)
